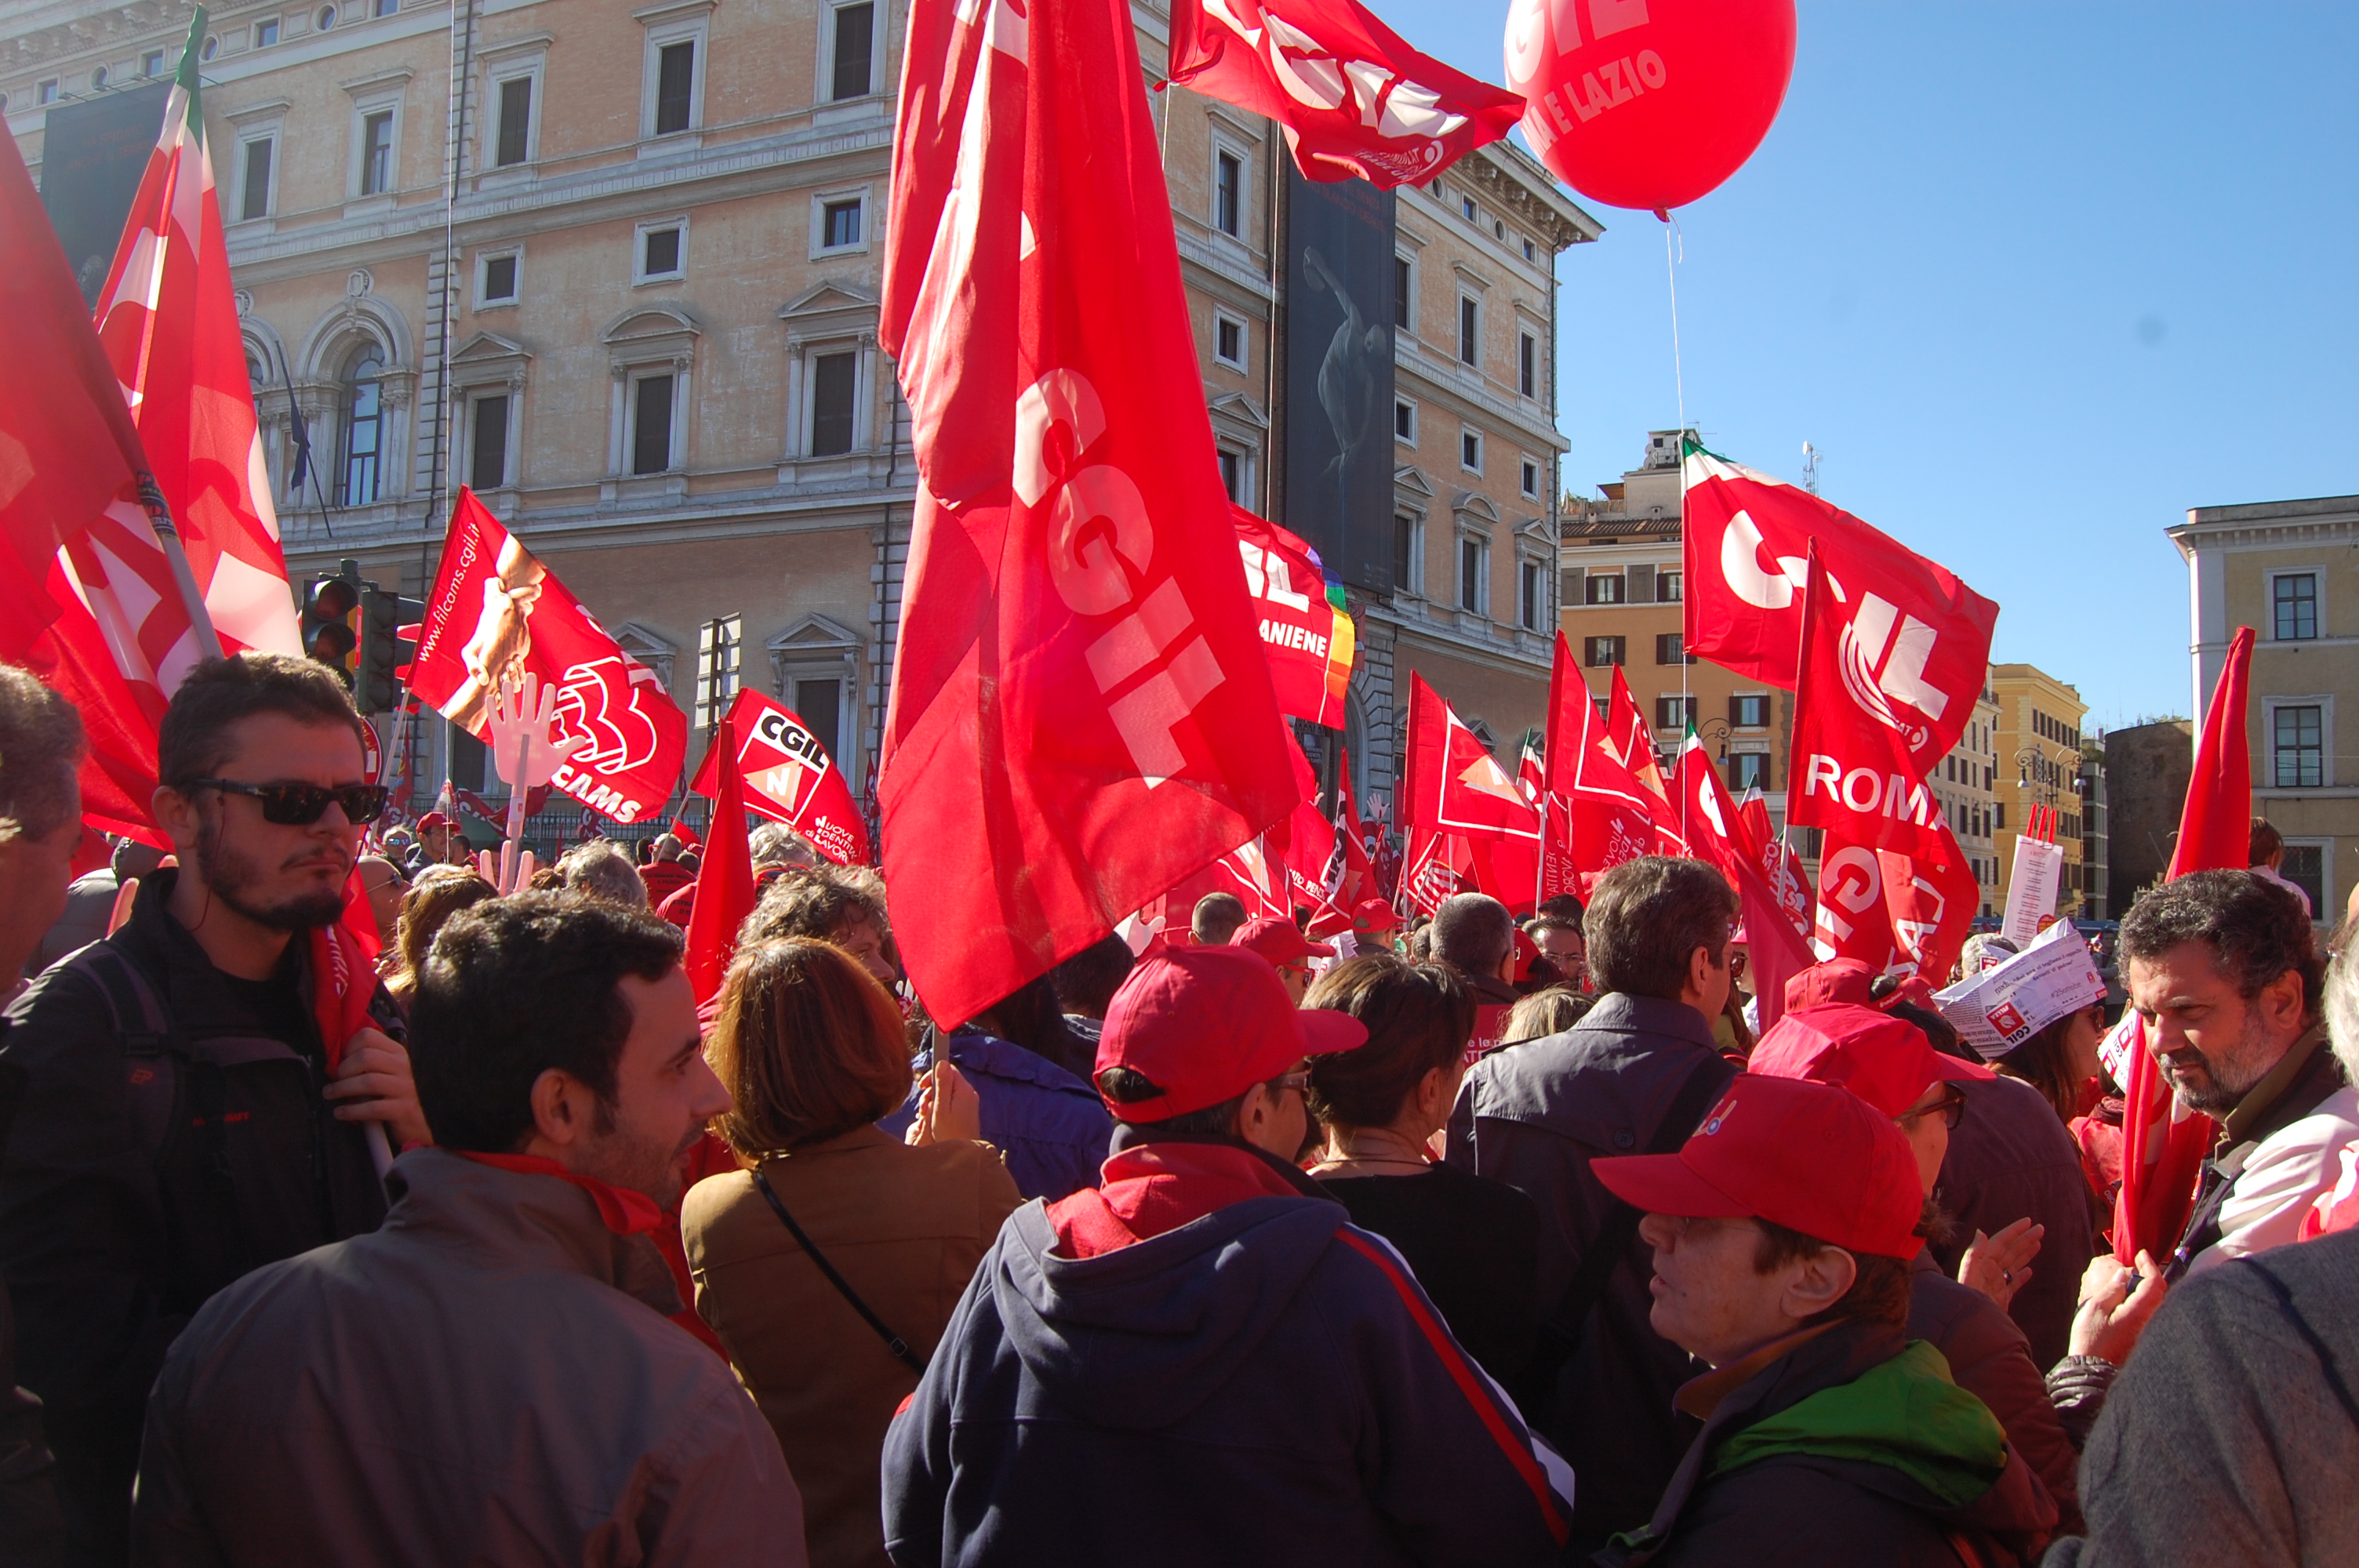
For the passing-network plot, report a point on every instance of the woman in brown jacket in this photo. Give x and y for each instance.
(811, 1049)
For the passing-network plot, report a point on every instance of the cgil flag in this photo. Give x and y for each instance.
(1081, 712)
(1310, 641)
(787, 776)
(168, 319)
(724, 892)
(497, 612)
(1353, 98)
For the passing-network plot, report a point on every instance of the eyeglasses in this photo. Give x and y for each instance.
(1298, 1082)
(301, 805)
(1950, 1108)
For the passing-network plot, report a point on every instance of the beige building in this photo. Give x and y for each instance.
(642, 323)
(2035, 760)
(2289, 569)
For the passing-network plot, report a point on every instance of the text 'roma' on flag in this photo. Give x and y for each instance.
(1352, 96)
(88, 600)
(1081, 714)
(168, 316)
(1917, 640)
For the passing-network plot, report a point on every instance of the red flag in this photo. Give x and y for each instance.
(1353, 97)
(688, 835)
(1719, 836)
(1081, 712)
(1595, 813)
(789, 777)
(168, 319)
(1309, 640)
(1898, 914)
(1714, 829)
(88, 600)
(725, 882)
(497, 612)
(1916, 640)
(1781, 868)
(2163, 1144)
(1466, 814)
(1632, 740)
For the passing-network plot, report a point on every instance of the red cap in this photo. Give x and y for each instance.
(1527, 953)
(1813, 1159)
(1205, 1024)
(1837, 980)
(1883, 1060)
(1279, 941)
(433, 819)
(1375, 916)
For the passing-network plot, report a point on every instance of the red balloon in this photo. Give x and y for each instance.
(1648, 103)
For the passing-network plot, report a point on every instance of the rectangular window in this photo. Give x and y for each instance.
(515, 120)
(1605, 587)
(651, 423)
(675, 86)
(1466, 205)
(1228, 193)
(2300, 747)
(1532, 590)
(1404, 552)
(1670, 649)
(820, 704)
(1748, 769)
(488, 461)
(1750, 711)
(832, 378)
(47, 92)
(2294, 599)
(385, 7)
(254, 201)
(1470, 339)
(2305, 866)
(1528, 364)
(1404, 420)
(1674, 712)
(1233, 475)
(377, 153)
(1669, 587)
(152, 63)
(840, 224)
(499, 278)
(1229, 341)
(1401, 293)
(266, 33)
(855, 47)
(1600, 651)
(1531, 477)
(659, 252)
(1469, 451)
(1470, 574)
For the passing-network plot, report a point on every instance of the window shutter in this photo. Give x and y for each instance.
(1642, 585)
(1572, 587)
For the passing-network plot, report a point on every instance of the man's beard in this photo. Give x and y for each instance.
(231, 878)
(629, 1160)
(2230, 1074)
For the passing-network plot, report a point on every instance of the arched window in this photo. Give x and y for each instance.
(357, 473)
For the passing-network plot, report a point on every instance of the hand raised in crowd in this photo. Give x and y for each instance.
(2112, 1315)
(947, 1109)
(2000, 1265)
(373, 1083)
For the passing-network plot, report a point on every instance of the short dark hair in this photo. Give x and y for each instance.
(1878, 1293)
(41, 746)
(1128, 1085)
(807, 1044)
(1560, 906)
(1215, 918)
(1647, 915)
(1940, 1032)
(2256, 930)
(220, 692)
(1418, 1016)
(1473, 932)
(514, 987)
(2262, 842)
(1085, 983)
(1572, 923)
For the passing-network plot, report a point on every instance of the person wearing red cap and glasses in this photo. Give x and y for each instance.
(1782, 1232)
(1287, 948)
(1889, 1063)
(1201, 1361)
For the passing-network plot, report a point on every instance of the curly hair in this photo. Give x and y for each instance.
(2255, 929)
(814, 904)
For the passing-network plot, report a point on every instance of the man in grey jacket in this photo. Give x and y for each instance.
(489, 1377)
(1633, 1077)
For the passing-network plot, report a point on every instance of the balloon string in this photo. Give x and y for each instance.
(1671, 258)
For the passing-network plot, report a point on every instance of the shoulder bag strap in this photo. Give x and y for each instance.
(893, 1342)
(1559, 1335)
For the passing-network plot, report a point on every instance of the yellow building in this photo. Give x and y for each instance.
(2036, 761)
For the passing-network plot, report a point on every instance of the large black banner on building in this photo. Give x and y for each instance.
(1339, 374)
(93, 154)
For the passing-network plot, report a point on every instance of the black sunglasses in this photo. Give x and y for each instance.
(301, 805)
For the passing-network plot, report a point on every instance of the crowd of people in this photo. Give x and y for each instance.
(1455, 1240)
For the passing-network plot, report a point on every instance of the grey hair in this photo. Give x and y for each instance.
(603, 872)
(775, 844)
(41, 746)
(2342, 1007)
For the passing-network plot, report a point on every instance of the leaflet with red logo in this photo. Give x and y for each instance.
(789, 777)
(495, 613)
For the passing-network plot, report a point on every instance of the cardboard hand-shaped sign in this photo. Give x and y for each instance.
(522, 750)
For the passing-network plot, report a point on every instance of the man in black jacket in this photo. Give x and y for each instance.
(1634, 1074)
(182, 1123)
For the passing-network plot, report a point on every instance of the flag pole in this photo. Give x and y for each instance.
(193, 598)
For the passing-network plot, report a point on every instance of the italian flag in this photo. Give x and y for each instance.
(169, 320)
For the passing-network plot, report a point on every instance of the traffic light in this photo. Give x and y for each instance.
(332, 621)
(384, 654)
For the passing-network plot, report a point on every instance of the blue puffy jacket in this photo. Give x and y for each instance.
(1051, 1126)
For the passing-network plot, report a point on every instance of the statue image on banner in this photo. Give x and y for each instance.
(1337, 396)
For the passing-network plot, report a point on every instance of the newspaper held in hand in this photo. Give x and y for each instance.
(1999, 1009)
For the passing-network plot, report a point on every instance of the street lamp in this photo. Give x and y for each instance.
(2034, 772)
(1714, 729)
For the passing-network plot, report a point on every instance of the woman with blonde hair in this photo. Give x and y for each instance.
(439, 893)
(829, 1267)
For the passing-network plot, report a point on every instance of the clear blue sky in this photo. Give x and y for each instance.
(2035, 279)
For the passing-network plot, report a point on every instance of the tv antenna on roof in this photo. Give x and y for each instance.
(1809, 468)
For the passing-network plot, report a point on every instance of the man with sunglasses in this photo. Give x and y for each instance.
(186, 1119)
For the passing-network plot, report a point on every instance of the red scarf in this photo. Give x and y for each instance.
(1152, 1188)
(343, 972)
(626, 1213)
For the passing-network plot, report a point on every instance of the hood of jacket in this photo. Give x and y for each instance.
(1136, 1338)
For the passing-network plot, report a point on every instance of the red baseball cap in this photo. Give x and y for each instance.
(1373, 915)
(1837, 980)
(1205, 1024)
(1883, 1060)
(433, 819)
(1279, 940)
(1807, 1156)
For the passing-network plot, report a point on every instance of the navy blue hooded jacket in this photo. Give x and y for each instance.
(1265, 1384)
